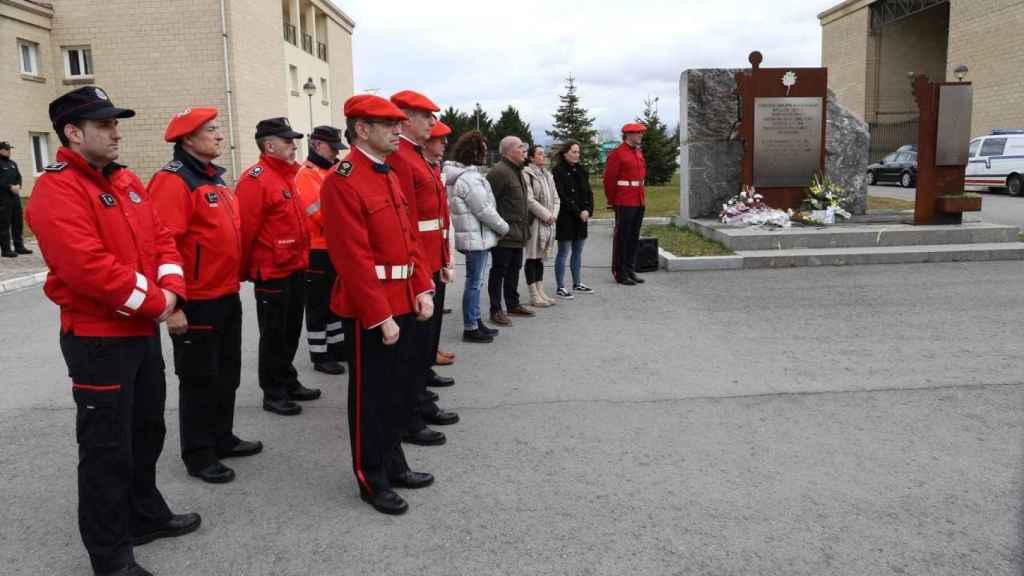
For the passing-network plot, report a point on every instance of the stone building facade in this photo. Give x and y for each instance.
(161, 57)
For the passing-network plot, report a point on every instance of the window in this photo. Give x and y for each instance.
(40, 152)
(323, 89)
(974, 148)
(28, 53)
(889, 158)
(293, 75)
(78, 62)
(993, 147)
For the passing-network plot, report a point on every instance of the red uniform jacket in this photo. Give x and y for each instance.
(108, 252)
(308, 181)
(426, 193)
(371, 242)
(624, 176)
(202, 214)
(275, 242)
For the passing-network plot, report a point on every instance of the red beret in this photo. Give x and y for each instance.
(414, 100)
(440, 130)
(634, 128)
(187, 122)
(370, 106)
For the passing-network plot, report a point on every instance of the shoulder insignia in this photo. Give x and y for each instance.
(256, 171)
(56, 167)
(344, 168)
(173, 166)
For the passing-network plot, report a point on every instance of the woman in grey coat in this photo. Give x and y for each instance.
(477, 225)
(543, 203)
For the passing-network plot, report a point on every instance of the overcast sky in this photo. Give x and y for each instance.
(460, 52)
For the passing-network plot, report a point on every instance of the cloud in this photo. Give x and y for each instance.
(520, 53)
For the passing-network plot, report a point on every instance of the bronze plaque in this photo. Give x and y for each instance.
(787, 141)
(955, 103)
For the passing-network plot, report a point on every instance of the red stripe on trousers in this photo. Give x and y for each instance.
(360, 477)
(98, 388)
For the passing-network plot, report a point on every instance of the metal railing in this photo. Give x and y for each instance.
(886, 137)
(307, 43)
(321, 51)
(289, 34)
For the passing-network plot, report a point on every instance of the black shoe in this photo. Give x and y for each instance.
(242, 449)
(132, 569)
(425, 437)
(431, 396)
(626, 281)
(282, 407)
(439, 381)
(446, 311)
(302, 394)
(215, 473)
(412, 480)
(22, 250)
(330, 367)
(178, 525)
(476, 336)
(636, 279)
(385, 501)
(9, 254)
(484, 328)
(441, 418)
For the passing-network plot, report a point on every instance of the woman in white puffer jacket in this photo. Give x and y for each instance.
(477, 225)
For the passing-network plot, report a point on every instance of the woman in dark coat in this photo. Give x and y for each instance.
(577, 204)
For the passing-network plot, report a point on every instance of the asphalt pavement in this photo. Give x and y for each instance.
(996, 207)
(813, 421)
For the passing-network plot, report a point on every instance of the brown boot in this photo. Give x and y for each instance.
(498, 317)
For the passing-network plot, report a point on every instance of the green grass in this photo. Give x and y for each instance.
(886, 203)
(682, 242)
(661, 200)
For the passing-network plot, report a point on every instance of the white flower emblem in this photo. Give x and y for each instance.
(789, 80)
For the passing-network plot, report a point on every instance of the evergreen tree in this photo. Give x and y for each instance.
(573, 123)
(510, 124)
(660, 151)
(479, 120)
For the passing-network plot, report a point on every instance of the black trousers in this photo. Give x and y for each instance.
(440, 289)
(11, 223)
(534, 270)
(279, 305)
(324, 332)
(208, 361)
(504, 277)
(628, 221)
(119, 391)
(379, 400)
(427, 335)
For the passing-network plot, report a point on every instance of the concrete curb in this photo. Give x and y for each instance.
(22, 282)
(652, 221)
(672, 263)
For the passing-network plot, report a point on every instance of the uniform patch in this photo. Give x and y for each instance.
(287, 195)
(212, 198)
(134, 197)
(108, 200)
(173, 166)
(56, 167)
(344, 168)
(256, 171)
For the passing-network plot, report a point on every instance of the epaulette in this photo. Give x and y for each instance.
(344, 168)
(172, 166)
(56, 167)
(256, 171)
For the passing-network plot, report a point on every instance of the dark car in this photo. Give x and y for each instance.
(899, 167)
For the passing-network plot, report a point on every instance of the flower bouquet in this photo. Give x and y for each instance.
(748, 208)
(824, 201)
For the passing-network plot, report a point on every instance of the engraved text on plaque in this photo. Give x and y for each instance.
(787, 141)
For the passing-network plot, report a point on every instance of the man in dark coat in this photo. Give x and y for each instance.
(10, 205)
(506, 181)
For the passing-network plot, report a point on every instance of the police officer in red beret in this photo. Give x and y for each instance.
(201, 212)
(383, 291)
(275, 253)
(429, 202)
(116, 274)
(624, 176)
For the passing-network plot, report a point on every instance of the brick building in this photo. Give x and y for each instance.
(249, 58)
(869, 46)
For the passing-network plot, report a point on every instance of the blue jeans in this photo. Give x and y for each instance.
(575, 263)
(476, 261)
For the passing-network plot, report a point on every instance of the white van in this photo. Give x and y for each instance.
(996, 161)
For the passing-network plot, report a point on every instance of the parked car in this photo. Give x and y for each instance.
(996, 162)
(899, 167)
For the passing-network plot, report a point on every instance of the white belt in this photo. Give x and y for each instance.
(636, 183)
(430, 225)
(385, 272)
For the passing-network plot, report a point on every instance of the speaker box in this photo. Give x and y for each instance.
(647, 255)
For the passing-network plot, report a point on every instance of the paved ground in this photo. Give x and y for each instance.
(23, 265)
(840, 421)
(996, 207)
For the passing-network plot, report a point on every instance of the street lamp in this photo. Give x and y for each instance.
(960, 72)
(310, 89)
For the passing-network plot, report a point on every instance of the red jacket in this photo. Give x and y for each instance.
(371, 242)
(430, 208)
(308, 181)
(624, 175)
(275, 242)
(202, 214)
(108, 252)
